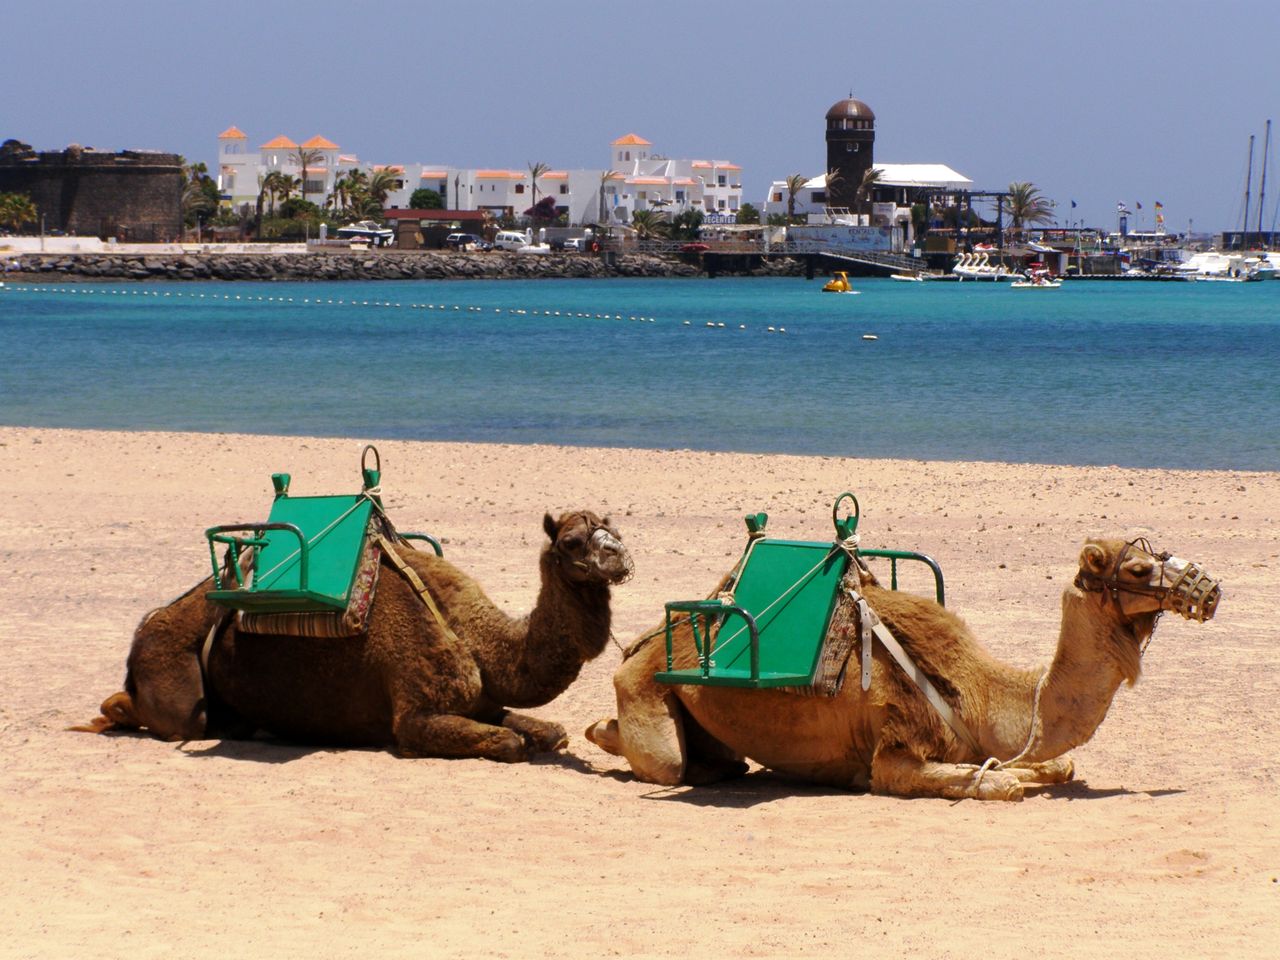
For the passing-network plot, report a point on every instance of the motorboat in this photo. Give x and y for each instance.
(907, 277)
(1223, 267)
(1037, 280)
(839, 283)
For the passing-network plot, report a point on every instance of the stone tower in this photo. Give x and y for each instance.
(851, 141)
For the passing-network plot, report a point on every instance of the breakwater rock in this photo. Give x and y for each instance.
(372, 265)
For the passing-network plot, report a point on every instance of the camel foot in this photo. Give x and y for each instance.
(448, 735)
(997, 785)
(1057, 770)
(604, 734)
(117, 712)
(543, 735)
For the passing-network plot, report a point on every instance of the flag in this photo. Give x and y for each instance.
(1073, 204)
(1138, 203)
(1159, 205)
(1159, 218)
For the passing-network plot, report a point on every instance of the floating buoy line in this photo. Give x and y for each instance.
(347, 301)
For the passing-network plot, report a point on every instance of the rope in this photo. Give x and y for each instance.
(991, 763)
(760, 616)
(365, 494)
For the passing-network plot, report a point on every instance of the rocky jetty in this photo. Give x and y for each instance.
(372, 265)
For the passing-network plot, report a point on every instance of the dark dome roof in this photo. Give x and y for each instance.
(850, 108)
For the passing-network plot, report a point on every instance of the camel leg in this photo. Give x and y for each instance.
(448, 735)
(543, 735)
(709, 760)
(649, 730)
(1057, 770)
(895, 771)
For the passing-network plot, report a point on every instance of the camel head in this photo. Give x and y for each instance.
(1139, 581)
(588, 549)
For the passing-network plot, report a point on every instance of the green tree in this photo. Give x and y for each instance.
(747, 213)
(777, 220)
(650, 224)
(306, 159)
(17, 209)
(834, 179)
(1027, 207)
(426, 199)
(380, 184)
(200, 196)
(795, 183)
(535, 171)
(605, 177)
(868, 184)
(686, 225)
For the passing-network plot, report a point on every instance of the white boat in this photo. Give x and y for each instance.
(1036, 284)
(1216, 265)
(907, 277)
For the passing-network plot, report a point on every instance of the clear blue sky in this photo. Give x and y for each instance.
(1090, 100)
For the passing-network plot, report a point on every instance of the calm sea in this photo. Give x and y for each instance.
(1136, 374)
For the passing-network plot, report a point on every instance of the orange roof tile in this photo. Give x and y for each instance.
(649, 180)
(390, 168)
(555, 175)
(699, 164)
(617, 176)
(631, 140)
(320, 143)
(232, 133)
(726, 165)
(435, 174)
(279, 143)
(499, 175)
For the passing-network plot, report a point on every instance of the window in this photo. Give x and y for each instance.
(628, 156)
(229, 182)
(679, 196)
(819, 196)
(721, 180)
(564, 188)
(719, 204)
(777, 198)
(519, 188)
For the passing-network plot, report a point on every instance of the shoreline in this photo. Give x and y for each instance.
(371, 265)
(121, 841)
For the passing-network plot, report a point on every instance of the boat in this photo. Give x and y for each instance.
(978, 266)
(1223, 267)
(366, 232)
(907, 277)
(1037, 280)
(839, 283)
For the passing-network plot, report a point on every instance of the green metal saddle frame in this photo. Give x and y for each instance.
(305, 557)
(771, 633)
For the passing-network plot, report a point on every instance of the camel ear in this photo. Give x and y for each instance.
(549, 525)
(1093, 558)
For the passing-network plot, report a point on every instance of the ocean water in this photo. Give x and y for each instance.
(1134, 374)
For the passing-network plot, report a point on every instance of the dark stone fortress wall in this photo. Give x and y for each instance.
(134, 195)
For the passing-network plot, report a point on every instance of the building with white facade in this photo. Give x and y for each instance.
(891, 198)
(636, 179)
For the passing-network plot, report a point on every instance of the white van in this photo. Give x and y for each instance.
(510, 240)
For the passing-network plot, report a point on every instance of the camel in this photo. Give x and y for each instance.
(888, 739)
(407, 681)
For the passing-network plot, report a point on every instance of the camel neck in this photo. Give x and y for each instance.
(1096, 653)
(546, 651)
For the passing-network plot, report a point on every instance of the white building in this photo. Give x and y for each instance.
(636, 179)
(898, 187)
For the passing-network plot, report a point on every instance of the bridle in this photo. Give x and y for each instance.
(1193, 594)
(593, 527)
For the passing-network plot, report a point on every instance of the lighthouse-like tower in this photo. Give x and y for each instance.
(851, 141)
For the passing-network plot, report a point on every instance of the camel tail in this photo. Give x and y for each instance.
(117, 714)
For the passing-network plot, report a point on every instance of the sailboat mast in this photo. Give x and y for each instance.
(1248, 185)
(1262, 190)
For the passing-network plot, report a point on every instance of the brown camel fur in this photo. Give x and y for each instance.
(888, 739)
(406, 681)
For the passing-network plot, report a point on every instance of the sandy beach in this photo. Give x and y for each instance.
(1166, 845)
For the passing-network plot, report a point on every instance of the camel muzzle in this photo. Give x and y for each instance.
(1194, 595)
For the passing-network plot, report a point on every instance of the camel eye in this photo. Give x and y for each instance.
(573, 541)
(1142, 569)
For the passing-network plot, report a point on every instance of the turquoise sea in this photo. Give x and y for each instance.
(1128, 373)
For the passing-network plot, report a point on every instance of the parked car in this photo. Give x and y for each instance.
(510, 240)
(466, 241)
(694, 247)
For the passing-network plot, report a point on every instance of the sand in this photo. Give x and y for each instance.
(1166, 845)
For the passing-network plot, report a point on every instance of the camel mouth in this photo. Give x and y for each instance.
(1194, 595)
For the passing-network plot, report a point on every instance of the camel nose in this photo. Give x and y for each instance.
(1194, 594)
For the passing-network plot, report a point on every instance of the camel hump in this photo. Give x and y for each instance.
(117, 713)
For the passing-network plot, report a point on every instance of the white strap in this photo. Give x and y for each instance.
(914, 673)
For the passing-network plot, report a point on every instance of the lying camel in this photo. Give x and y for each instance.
(888, 739)
(407, 681)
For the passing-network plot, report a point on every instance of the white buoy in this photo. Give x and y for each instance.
(869, 336)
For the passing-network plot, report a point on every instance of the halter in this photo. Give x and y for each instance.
(1193, 595)
(592, 529)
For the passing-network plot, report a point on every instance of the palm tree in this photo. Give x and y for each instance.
(305, 158)
(1027, 206)
(380, 184)
(16, 209)
(834, 176)
(270, 186)
(289, 185)
(795, 183)
(535, 171)
(649, 224)
(605, 177)
(869, 181)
